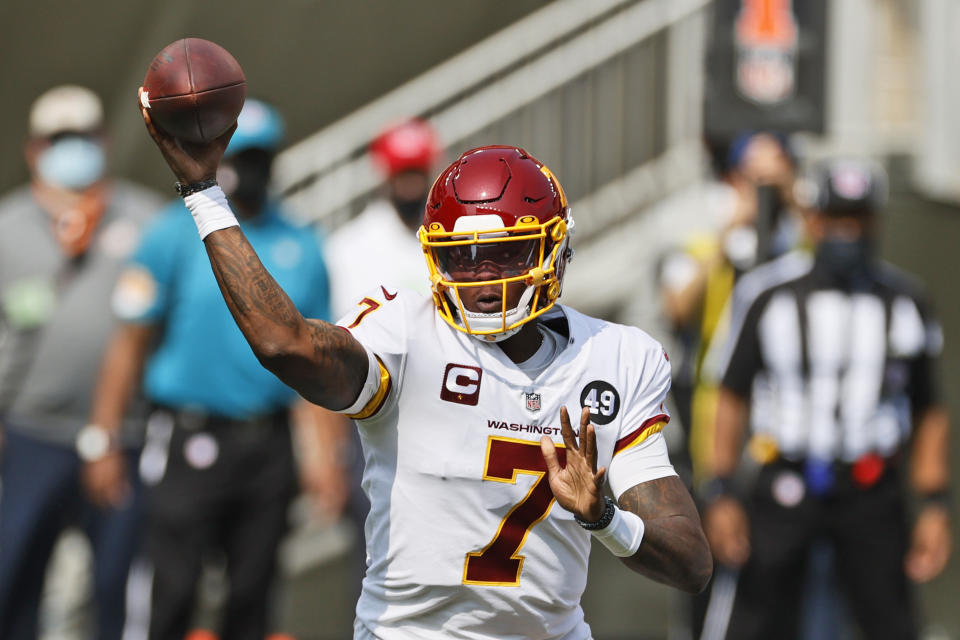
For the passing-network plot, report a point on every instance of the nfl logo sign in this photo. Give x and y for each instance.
(533, 401)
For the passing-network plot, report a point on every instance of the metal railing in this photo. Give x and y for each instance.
(594, 89)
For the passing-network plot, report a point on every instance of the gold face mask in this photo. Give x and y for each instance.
(526, 253)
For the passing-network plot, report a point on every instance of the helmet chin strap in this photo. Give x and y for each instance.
(487, 321)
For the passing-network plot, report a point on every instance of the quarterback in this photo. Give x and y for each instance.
(483, 495)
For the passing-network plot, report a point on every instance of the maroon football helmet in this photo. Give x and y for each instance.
(496, 216)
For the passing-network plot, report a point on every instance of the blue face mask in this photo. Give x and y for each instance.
(73, 162)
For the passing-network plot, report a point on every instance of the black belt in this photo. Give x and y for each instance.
(829, 477)
(192, 420)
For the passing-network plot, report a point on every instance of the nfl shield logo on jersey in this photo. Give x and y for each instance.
(533, 401)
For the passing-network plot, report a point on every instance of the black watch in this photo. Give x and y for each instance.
(608, 512)
(940, 498)
(185, 189)
(716, 488)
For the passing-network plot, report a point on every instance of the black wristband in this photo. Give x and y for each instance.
(608, 512)
(941, 498)
(185, 189)
(715, 488)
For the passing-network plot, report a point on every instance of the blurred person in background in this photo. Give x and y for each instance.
(831, 363)
(756, 218)
(380, 247)
(63, 241)
(218, 462)
(382, 239)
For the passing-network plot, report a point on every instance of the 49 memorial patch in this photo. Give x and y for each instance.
(603, 401)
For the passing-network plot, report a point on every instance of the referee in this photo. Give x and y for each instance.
(831, 364)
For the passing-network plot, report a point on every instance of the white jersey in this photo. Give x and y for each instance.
(464, 539)
(374, 243)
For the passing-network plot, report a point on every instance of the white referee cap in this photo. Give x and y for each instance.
(65, 108)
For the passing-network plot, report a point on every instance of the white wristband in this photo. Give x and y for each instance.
(623, 535)
(210, 210)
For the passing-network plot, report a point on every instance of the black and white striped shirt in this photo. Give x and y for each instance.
(831, 373)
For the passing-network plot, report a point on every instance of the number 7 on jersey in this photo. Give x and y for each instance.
(500, 562)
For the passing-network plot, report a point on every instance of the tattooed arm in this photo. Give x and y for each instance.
(321, 361)
(324, 363)
(674, 550)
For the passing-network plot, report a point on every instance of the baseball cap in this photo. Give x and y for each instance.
(737, 150)
(847, 186)
(67, 108)
(259, 126)
(409, 146)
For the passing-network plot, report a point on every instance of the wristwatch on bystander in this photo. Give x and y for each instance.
(93, 442)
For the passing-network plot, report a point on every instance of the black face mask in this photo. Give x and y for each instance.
(411, 211)
(847, 261)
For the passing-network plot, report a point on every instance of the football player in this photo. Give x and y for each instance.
(464, 405)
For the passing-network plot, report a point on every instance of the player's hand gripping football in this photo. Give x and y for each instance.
(577, 486)
(190, 162)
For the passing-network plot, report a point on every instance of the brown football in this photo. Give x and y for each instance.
(194, 90)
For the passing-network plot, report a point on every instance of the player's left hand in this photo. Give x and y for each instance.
(577, 486)
(930, 547)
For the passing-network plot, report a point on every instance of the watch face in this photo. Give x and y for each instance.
(93, 443)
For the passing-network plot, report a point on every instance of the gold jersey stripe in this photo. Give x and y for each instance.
(646, 433)
(376, 402)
